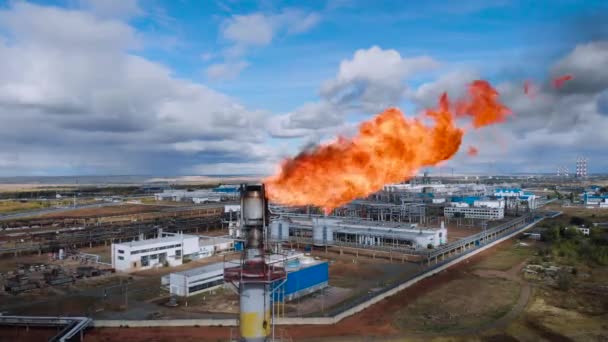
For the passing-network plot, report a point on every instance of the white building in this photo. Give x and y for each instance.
(197, 280)
(482, 213)
(198, 196)
(169, 249)
(212, 245)
(489, 203)
(516, 195)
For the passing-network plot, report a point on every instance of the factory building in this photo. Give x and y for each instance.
(472, 212)
(438, 189)
(197, 280)
(169, 249)
(596, 200)
(513, 196)
(326, 231)
(223, 192)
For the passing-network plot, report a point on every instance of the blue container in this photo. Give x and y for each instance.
(303, 279)
(238, 245)
(293, 263)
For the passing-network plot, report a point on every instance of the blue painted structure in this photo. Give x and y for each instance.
(466, 199)
(302, 280)
(508, 190)
(238, 245)
(227, 189)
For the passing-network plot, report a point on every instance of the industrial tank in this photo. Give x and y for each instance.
(322, 232)
(279, 230)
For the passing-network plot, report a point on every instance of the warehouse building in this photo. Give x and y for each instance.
(166, 250)
(169, 249)
(352, 232)
(197, 280)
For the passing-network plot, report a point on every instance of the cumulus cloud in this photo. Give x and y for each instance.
(453, 82)
(369, 82)
(249, 30)
(374, 78)
(69, 88)
(226, 71)
(587, 64)
(112, 8)
(258, 30)
(315, 118)
(550, 129)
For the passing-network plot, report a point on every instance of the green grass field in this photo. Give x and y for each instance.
(507, 257)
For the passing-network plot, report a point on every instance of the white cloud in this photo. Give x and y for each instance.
(258, 30)
(587, 63)
(226, 71)
(374, 78)
(550, 129)
(371, 81)
(113, 8)
(454, 83)
(262, 169)
(249, 30)
(70, 89)
(296, 21)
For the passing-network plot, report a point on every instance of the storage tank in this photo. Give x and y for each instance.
(323, 232)
(279, 230)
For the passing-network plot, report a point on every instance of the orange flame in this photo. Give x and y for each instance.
(472, 151)
(559, 81)
(389, 148)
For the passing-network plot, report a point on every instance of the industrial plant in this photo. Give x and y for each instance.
(251, 265)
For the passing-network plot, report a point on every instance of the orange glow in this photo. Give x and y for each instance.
(389, 148)
(482, 105)
(472, 151)
(559, 81)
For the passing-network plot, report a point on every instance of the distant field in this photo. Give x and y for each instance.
(16, 206)
(124, 209)
(30, 187)
(596, 214)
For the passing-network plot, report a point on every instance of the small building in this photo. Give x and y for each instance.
(499, 203)
(515, 196)
(168, 249)
(197, 280)
(212, 245)
(598, 200)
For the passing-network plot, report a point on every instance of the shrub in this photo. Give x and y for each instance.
(564, 280)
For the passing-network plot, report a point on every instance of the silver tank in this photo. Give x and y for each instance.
(279, 230)
(323, 232)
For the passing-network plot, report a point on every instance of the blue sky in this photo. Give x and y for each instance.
(273, 70)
